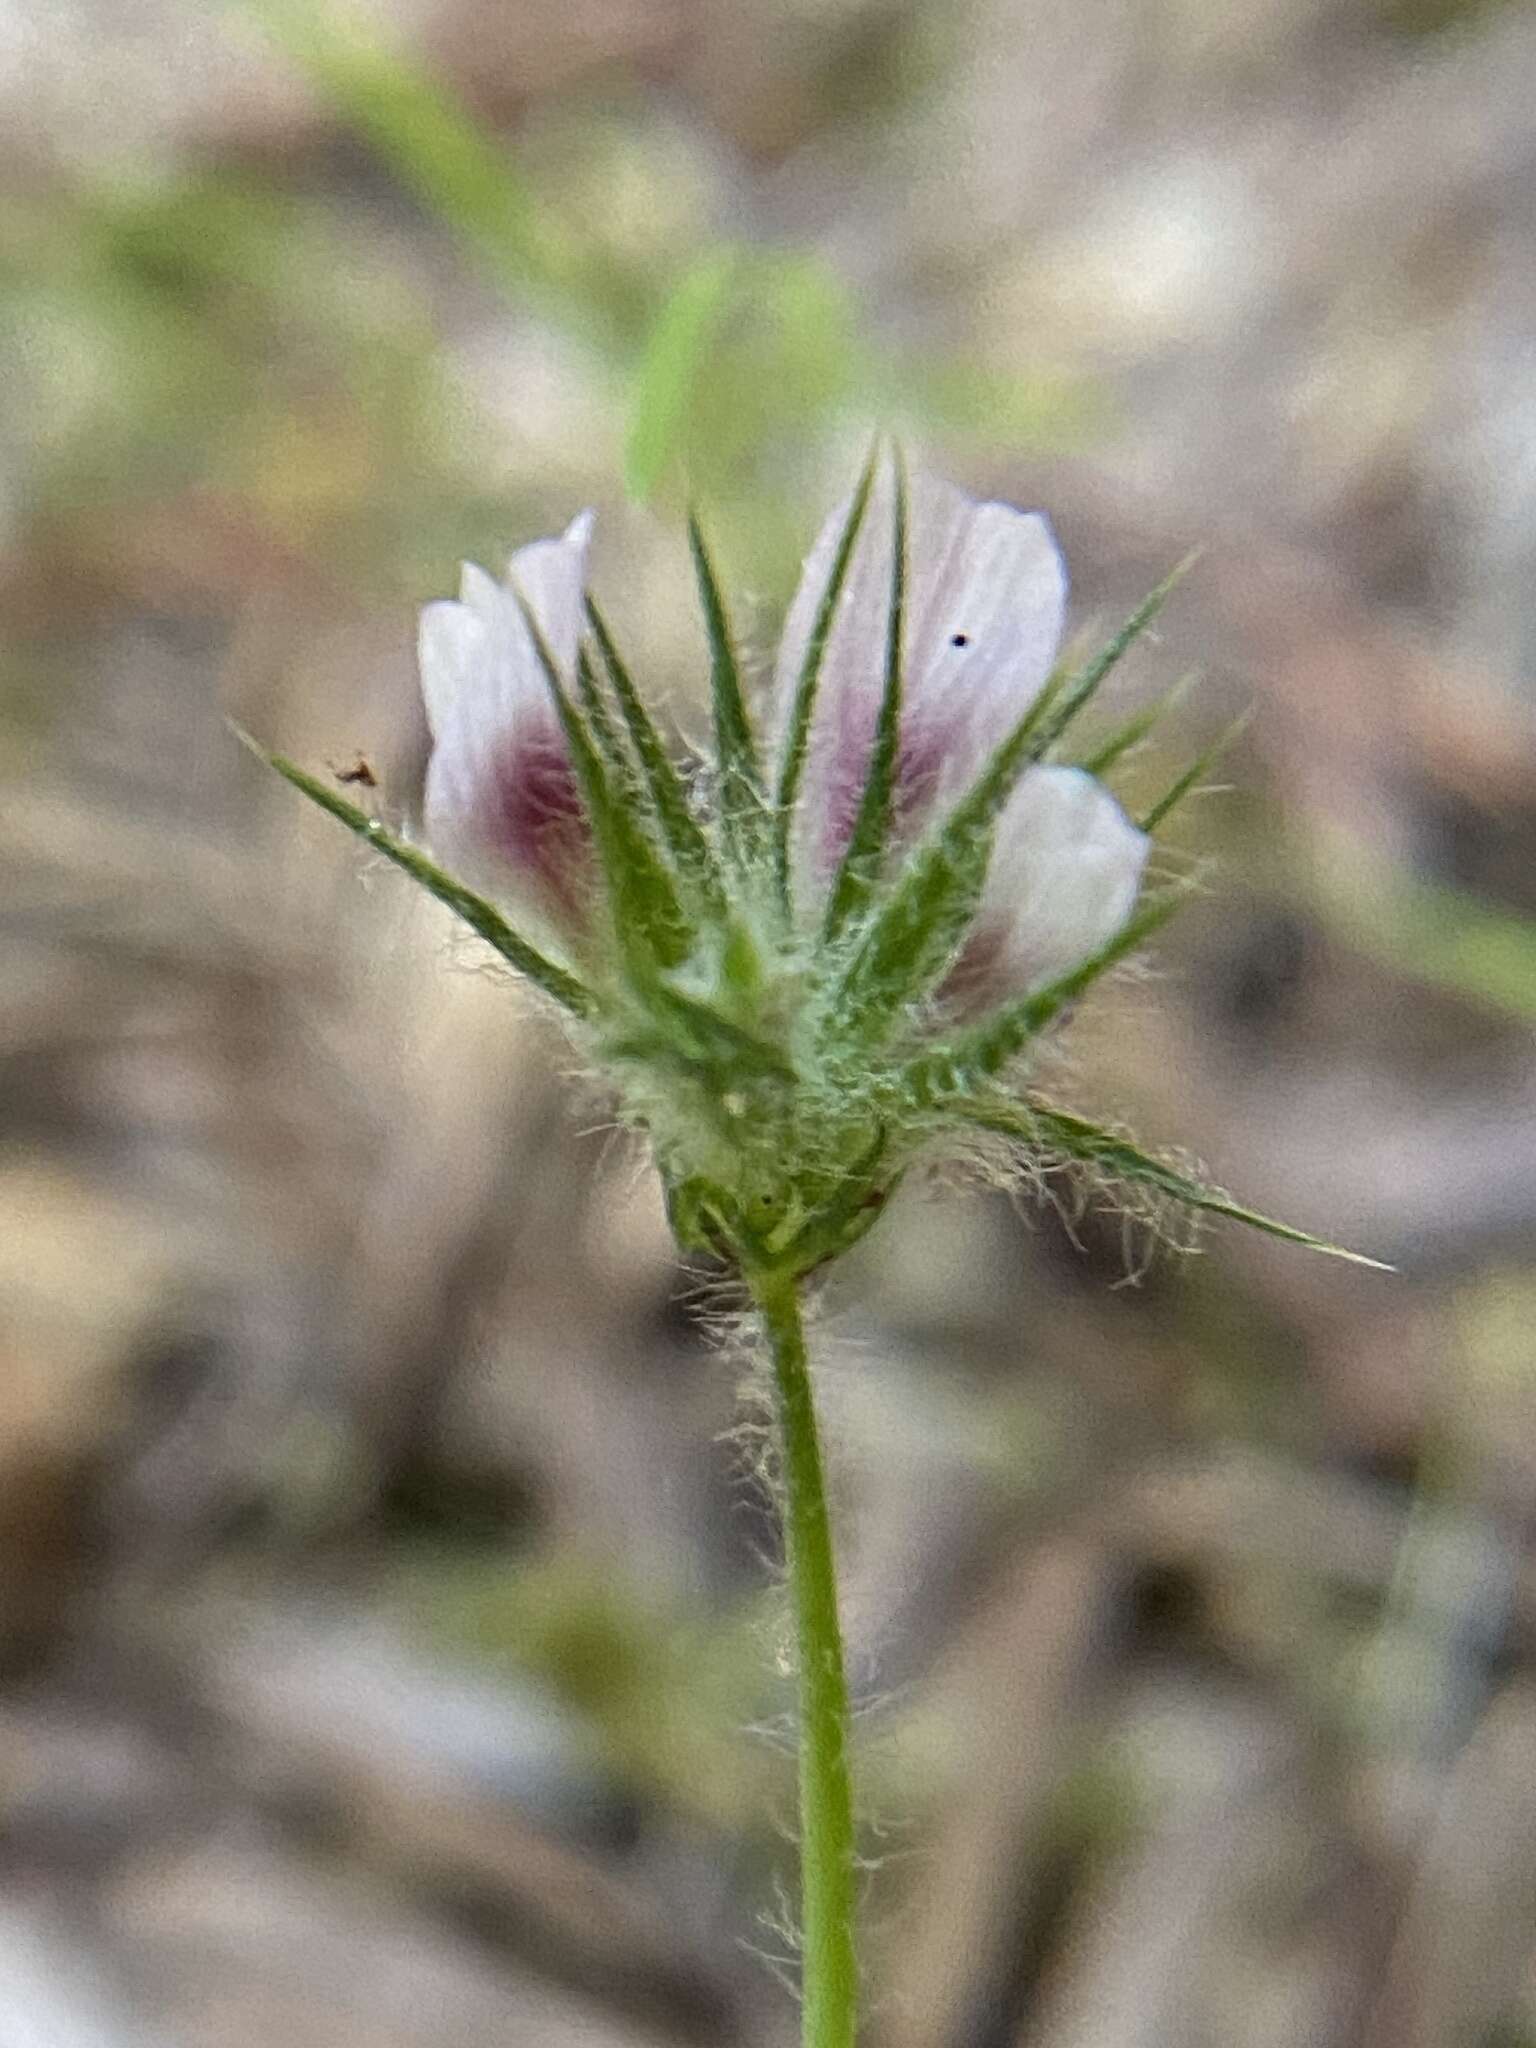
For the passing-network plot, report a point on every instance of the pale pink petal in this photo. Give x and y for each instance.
(1065, 873)
(985, 600)
(552, 576)
(502, 804)
(452, 652)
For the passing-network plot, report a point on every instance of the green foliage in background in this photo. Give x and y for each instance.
(741, 352)
(1444, 937)
(669, 1696)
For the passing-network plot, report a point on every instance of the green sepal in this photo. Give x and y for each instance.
(742, 799)
(690, 848)
(649, 922)
(798, 732)
(695, 1211)
(679, 1028)
(1125, 738)
(948, 1073)
(915, 933)
(837, 1225)
(789, 1234)
(1061, 1133)
(858, 873)
(605, 734)
(481, 917)
(1193, 775)
(1086, 683)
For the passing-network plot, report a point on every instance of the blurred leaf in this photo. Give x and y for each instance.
(210, 332)
(1428, 18)
(441, 155)
(1427, 931)
(750, 350)
(786, 358)
(668, 1690)
(676, 357)
(1046, 409)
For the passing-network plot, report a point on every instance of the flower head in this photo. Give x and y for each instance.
(799, 981)
(984, 600)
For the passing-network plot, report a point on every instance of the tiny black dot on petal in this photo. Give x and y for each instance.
(959, 639)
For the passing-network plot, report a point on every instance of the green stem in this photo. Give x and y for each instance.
(829, 1985)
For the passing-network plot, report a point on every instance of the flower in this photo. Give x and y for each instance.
(984, 602)
(984, 594)
(802, 983)
(1065, 874)
(503, 803)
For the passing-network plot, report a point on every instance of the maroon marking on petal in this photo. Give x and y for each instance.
(842, 785)
(921, 753)
(844, 789)
(920, 762)
(536, 821)
(536, 785)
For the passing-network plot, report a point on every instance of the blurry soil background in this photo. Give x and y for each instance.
(389, 1649)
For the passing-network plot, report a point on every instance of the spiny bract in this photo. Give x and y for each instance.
(825, 949)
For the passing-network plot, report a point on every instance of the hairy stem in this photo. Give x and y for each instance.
(830, 1977)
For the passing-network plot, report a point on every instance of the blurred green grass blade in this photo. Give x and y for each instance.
(1444, 937)
(1043, 409)
(481, 917)
(778, 365)
(440, 154)
(676, 355)
(1078, 1138)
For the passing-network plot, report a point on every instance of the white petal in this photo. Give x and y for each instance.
(552, 576)
(982, 575)
(498, 763)
(452, 651)
(1065, 873)
(483, 596)
(490, 678)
